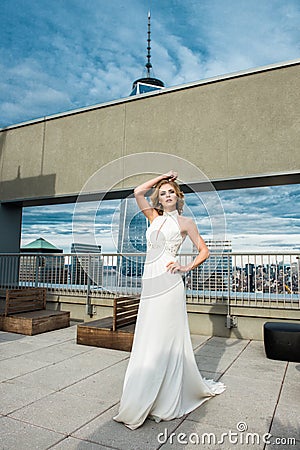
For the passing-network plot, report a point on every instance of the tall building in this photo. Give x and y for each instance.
(216, 272)
(86, 264)
(131, 239)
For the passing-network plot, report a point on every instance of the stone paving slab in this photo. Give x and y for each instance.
(106, 431)
(213, 365)
(249, 397)
(60, 352)
(20, 365)
(15, 395)
(7, 350)
(218, 351)
(237, 405)
(292, 380)
(211, 375)
(198, 340)
(287, 419)
(21, 347)
(69, 402)
(61, 412)
(282, 444)
(15, 435)
(106, 385)
(253, 364)
(65, 373)
(71, 443)
(228, 343)
(6, 336)
(244, 387)
(214, 357)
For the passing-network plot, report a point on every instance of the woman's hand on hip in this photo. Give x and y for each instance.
(174, 267)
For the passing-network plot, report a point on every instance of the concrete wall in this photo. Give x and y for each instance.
(237, 126)
(10, 230)
(203, 319)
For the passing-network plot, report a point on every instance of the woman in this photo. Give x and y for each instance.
(162, 380)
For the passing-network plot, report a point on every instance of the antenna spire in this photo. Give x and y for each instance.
(148, 64)
(147, 83)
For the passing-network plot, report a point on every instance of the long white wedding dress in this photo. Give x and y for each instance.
(162, 381)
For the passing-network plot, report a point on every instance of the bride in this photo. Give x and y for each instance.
(162, 381)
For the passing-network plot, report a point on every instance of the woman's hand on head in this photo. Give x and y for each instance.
(171, 175)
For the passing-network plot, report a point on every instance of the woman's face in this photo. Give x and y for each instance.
(167, 197)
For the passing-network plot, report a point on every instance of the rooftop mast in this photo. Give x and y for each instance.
(149, 83)
(149, 65)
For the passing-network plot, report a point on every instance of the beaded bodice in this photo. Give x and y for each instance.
(164, 234)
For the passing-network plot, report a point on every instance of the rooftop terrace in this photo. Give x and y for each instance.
(60, 395)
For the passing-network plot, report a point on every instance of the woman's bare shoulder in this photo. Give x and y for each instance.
(186, 219)
(185, 222)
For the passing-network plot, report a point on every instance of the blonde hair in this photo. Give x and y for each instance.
(155, 195)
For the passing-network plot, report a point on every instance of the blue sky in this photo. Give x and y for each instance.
(64, 54)
(61, 55)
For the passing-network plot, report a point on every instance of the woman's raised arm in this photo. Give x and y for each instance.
(141, 190)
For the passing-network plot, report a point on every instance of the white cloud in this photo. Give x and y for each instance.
(65, 55)
(264, 243)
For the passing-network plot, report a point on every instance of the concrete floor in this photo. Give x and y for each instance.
(60, 395)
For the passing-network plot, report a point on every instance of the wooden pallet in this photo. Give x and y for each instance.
(115, 332)
(25, 313)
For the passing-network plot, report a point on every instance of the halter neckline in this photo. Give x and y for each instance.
(170, 213)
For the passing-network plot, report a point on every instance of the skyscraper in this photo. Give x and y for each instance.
(131, 239)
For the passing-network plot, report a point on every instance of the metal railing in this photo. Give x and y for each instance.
(253, 280)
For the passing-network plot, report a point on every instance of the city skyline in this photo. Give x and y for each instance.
(257, 219)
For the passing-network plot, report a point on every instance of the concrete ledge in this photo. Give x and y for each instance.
(205, 319)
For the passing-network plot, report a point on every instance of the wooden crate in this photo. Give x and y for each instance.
(115, 332)
(25, 313)
(99, 333)
(35, 322)
(24, 300)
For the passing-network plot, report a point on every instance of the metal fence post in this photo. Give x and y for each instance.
(89, 309)
(37, 262)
